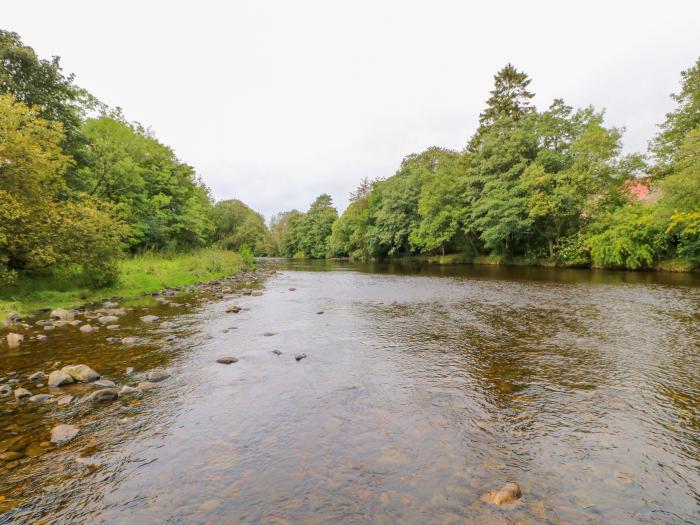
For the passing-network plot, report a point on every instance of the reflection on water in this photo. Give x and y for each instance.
(424, 387)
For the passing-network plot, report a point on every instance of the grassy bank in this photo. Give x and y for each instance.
(138, 275)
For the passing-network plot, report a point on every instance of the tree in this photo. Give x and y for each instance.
(41, 84)
(41, 223)
(316, 228)
(237, 225)
(681, 121)
(509, 99)
(159, 196)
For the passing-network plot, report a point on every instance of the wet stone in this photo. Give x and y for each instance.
(86, 328)
(113, 327)
(277, 352)
(233, 309)
(149, 318)
(131, 340)
(82, 373)
(14, 340)
(227, 360)
(22, 393)
(39, 398)
(300, 356)
(60, 378)
(64, 400)
(157, 376)
(256, 293)
(104, 394)
(509, 493)
(63, 434)
(104, 383)
(37, 376)
(128, 390)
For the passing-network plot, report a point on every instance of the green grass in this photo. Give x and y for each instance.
(139, 275)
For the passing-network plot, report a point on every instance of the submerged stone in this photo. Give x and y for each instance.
(63, 434)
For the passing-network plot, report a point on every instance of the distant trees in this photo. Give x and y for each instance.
(236, 226)
(308, 234)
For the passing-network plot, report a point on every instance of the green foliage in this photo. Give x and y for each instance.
(41, 224)
(309, 234)
(682, 120)
(159, 196)
(237, 225)
(630, 237)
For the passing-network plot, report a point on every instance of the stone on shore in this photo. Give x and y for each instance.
(63, 434)
(60, 378)
(82, 373)
(104, 383)
(62, 314)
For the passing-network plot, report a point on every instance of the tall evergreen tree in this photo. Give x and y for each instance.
(509, 98)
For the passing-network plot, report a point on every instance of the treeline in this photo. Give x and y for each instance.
(80, 185)
(538, 186)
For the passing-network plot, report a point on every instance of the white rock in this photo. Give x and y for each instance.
(60, 378)
(14, 340)
(82, 373)
(63, 434)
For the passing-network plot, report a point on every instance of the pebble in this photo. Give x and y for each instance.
(127, 390)
(247, 291)
(149, 318)
(227, 360)
(277, 352)
(113, 327)
(62, 314)
(300, 356)
(86, 328)
(256, 293)
(292, 289)
(63, 434)
(167, 324)
(146, 385)
(5, 390)
(131, 340)
(107, 319)
(233, 309)
(37, 376)
(268, 334)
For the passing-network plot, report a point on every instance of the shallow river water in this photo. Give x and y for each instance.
(424, 388)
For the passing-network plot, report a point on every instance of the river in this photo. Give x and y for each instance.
(423, 388)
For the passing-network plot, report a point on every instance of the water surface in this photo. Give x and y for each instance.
(424, 387)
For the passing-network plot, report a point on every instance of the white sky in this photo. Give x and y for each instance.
(274, 102)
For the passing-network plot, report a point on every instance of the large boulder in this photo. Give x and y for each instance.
(63, 434)
(14, 340)
(82, 373)
(62, 314)
(60, 378)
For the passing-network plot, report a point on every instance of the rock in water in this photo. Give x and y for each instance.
(22, 393)
(256, 293)
(107, 319)
(157, 376)
(277, 352)
(104, 383)
(150, 318)
(104, 394)
(509, 493)
(131, 340)
(127, 390)
(299, 356)
(60, 378)
(14, 340)
(86, 329)
(233, 309)
(227, 360)
(37, 376)
(39, 398)
(62, 314)
(269, 334)
(63, 434)
(292, 289)
(82, 373)
(247, 291)
(64, 400)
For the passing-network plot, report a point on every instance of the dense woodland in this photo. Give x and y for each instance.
(80, 186)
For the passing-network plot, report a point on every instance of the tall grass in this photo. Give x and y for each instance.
(138, 275)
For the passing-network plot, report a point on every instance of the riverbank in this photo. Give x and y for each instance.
(140, 275)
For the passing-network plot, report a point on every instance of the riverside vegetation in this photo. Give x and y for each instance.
(83, 191)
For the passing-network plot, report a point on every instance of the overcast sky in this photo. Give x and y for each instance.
(275, 102)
